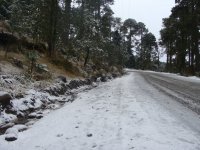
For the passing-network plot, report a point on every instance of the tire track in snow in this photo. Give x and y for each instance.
(185, 92)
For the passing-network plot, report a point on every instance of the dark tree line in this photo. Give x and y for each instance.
(181, 37)
(84, 29)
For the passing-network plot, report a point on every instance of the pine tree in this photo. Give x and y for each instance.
(182, 27)
(5, 11)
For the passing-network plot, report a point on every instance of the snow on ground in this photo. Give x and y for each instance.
(28, 96)
(124, 114)
(6, 118)
(178, 76)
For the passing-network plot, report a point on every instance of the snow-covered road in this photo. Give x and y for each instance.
(126, 113)
(186, 90)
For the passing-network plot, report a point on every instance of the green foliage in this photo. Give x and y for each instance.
(180, 36)
(32, 58)
(5, 11)
(148, 51)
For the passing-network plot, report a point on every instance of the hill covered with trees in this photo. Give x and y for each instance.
(84, 30)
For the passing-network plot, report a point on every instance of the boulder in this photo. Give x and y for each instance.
(17, 62)
(20, 127)
(74, 84)
(11, 134)
(7, 125)
(98, 79)
(42, 68)
(35, 115)
(52, 91)
(62, 78)
(5, 99)
(104, 79)
(114, 75)
(11, 137)
(88, 81)
(93, 79)
(19, 95)
(114, 69)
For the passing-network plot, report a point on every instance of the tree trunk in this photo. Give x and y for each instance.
(52, 26)
(167, 65)
(192, 63)
(68, 21)
(87, 56)
(6, 51)
(82, 28)
(99, 10)
(170, 57)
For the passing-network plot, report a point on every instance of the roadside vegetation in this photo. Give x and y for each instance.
(84, 34)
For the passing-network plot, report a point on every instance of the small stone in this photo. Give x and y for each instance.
(59, 135)
(94, 146)
(89, 135)
(132, 148)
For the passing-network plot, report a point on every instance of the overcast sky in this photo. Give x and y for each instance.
(150, 12)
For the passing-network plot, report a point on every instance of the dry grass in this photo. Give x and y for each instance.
(11, 55)
(54, 69)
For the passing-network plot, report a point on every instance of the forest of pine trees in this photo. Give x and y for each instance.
(88, 31)
(181, 37)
